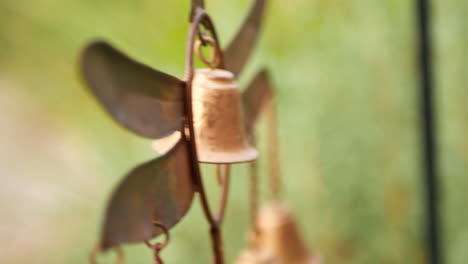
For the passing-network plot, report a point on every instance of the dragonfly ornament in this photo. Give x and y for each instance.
(156, 105)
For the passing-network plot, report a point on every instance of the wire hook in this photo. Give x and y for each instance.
(215, 58)
(157, 247)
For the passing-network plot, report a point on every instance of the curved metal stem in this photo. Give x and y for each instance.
(253, 196)
(195, 4)
(200, 17)
(253, 199)
(274, 171)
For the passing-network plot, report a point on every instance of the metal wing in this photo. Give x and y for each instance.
(143, 100)
(238, 51)
(159, 190)
(258, 94)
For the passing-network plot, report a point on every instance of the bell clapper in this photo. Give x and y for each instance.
(218, 119)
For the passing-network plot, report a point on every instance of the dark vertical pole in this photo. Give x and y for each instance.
(428, 132)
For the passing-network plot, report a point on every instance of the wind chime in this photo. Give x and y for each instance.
(202, 118)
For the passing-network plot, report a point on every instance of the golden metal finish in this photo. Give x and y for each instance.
(278, 236)
(218, 119)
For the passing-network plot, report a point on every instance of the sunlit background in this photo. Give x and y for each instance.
(347, 94)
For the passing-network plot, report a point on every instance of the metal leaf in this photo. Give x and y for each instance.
(143, 100)
(159, 190)
(238, 51)
(255, 97)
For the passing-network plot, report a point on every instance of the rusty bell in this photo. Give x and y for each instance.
(218, 118)
(279, 236)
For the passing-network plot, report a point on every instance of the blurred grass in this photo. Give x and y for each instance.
(346, 91)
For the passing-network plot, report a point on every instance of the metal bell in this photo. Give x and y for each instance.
(278, 236)
(250, 256)
(218, 119)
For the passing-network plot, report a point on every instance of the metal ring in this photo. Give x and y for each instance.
(160, 245)
(214, 59)
(93, 255)
(156, 248)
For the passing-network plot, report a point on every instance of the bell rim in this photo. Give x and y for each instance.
(255, 256)
(215, 157)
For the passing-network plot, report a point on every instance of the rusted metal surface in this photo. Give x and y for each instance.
(240, 48)
(145, 101)
(280, 236)
(156, 105)
(159, 190)
(200, 16)
(218, 119)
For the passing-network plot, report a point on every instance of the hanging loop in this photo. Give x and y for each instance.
(118, 250)
(157, 247)
(200, 17)
(214, 60)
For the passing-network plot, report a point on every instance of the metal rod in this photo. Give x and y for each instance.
(194, 5)
(253, 198)
(274, 170)
(200, 16)
(223, 174)
(197, 3)
(428, 132)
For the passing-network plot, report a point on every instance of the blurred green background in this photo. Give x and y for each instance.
(347, 94)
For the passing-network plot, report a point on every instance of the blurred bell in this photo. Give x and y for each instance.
(218, 118)
(250, 256)
(278, 236)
